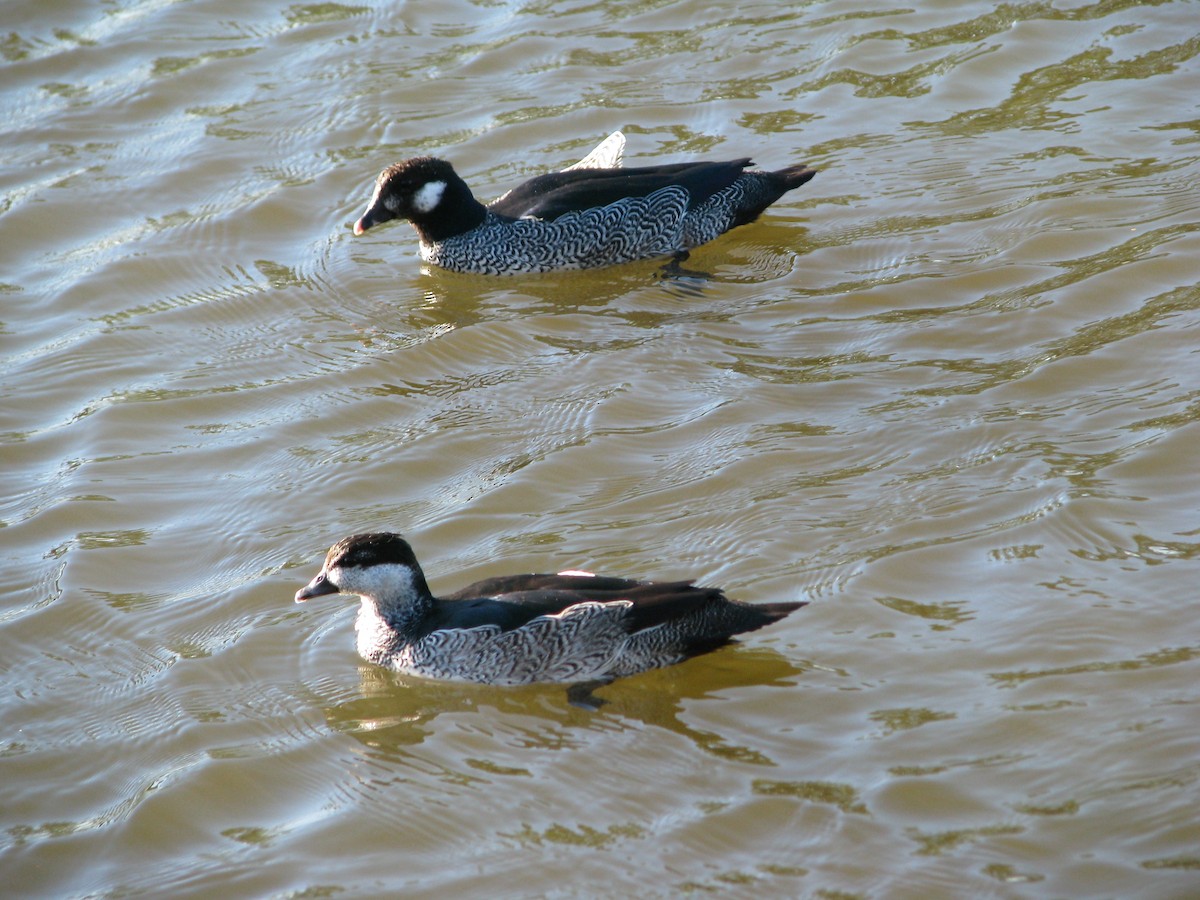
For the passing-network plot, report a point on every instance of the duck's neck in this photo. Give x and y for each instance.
(392, 613)
(377, 640)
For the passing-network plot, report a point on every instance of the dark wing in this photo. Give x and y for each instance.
(511, 601)
(511, 584)
(550, 196)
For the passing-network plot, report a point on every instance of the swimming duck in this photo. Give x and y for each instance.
(572, 627)
(594, 213)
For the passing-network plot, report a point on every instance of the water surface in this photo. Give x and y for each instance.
(947, 392)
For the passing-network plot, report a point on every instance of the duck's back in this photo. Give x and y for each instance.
(554, 194)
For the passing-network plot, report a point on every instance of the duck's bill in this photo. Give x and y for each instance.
(318, 587)
(375, 215)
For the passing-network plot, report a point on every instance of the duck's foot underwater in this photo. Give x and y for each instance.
(580, 694)
(673, 269)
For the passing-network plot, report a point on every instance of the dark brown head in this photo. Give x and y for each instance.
(427, 192)
(381, 566)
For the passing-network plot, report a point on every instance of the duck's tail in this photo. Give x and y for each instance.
(718, 624)
(773, 612)
(794, 176)
(767, 187)
(754, 616)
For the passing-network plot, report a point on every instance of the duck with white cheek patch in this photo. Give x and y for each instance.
(594, 213)
(572, 627)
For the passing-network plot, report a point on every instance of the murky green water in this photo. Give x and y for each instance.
(947, 392)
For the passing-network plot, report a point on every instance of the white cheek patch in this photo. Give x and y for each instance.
(429, 196)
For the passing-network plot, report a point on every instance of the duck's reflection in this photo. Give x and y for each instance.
(466, 299)
(396, 712)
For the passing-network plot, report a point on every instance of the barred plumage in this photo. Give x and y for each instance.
(630, 229)
(577, 644)
(590, 214)
(520, 629)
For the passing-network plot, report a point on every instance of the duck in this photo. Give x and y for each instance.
(572, 627)
(593, 213)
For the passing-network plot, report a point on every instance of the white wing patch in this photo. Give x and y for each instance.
(607, 155)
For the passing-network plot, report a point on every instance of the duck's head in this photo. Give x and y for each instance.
(380, 567)
(427, 192)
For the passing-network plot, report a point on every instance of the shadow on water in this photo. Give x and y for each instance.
(396, 712)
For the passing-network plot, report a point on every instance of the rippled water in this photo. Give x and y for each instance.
(948, 392)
